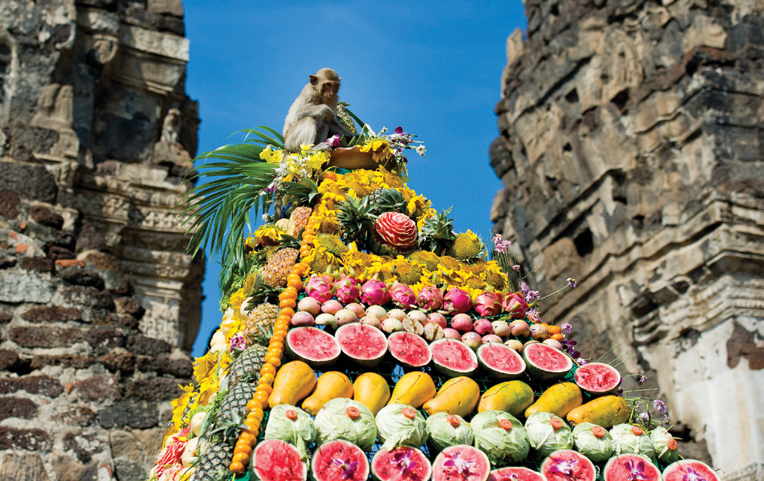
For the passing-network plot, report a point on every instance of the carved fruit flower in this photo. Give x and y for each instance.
(397, 230)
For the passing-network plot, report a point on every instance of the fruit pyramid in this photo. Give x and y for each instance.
(362, 336)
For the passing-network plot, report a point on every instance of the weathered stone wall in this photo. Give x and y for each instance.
(631, 146)
(99, 304)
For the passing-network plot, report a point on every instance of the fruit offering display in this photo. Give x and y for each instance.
(363, 338)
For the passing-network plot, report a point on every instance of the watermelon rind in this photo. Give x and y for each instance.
(615, 469)
(541, 372)
(323, 467)
(402, 346)
(313, 346)
(453, 358)
(384, 468)
(678, 470)
(355, 341)
(276, 460)
(515, 473)
(479, 470)
(589, 379)
(491, 354)
(583, 468)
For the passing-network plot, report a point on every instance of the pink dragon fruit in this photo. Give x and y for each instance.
(515, 305)
(456, 300)
(488, 303)
(346, 290)
(403, 296)
(430, 298)
(320, 288)
(375, 293)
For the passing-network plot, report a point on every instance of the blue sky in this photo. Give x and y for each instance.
(433, 68)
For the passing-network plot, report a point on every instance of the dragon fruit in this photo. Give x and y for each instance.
(456, 300)
(403, 296)
(430, 298)
(488, 303)
(515, 305)
(346, 290)
(320, 288)
(374, 292)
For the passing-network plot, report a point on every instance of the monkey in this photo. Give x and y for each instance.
(312, 116)
(171, 126)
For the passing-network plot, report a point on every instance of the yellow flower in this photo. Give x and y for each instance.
(179, 405)
(236, 299)
(272, 156)
(204, 365)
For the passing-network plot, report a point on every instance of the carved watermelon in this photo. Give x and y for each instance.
(628, 467)
(312, 346)
(275, 460)
(401, 464)
(500, 361)
(364, 344)
(689, 469)
(564, 465)
(453, 358)
(337, 460)
(546, 363)
(409, 350)
(597, 378)
(461, 463)
(515, 474)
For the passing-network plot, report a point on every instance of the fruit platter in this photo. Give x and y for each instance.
(362, 338)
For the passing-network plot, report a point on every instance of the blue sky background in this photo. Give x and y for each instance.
(433, 68)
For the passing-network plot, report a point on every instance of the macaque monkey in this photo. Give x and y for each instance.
(311, 118)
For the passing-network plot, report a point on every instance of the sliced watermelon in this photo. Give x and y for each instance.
(337, 460)
(565, 465)
(401, 464)
(312, 346)
(364, 344)
(689, 469)
(453, 358)
(597, 378)
(275, 460)
(500, 361)
(462, 463)
(628, 467)
(515, 474)
(546, 363)
(409, 350)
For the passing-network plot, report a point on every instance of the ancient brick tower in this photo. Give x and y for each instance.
(99, 304)
(631, 144)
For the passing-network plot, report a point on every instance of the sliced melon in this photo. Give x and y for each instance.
(453, 358)
(546, 363)
(312, 346)
(500, 361)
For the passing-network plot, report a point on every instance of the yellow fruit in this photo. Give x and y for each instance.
(511, 396)
(456, 396)
(606, 411)
(371, 390)
(559, 399)
(330, 385)
(414, 389)
(294, 382)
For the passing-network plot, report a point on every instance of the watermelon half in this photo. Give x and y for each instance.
(500, 361)
(337, 460)
(546, 363)
(403, 463)
(461, 463)
(565, 465)
(515, 474)
(626, 467)
(364, 344)
(312, 346)
(689, 469)
(409, 350)
(453, 358)
(597, 378)
(275, 460)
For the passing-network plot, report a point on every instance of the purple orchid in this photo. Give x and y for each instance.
(566, 328)
(462, 466)
(500, 245)
(572, 282)
(563, 467)
(517, 269)
(660, 406)
(533, 315)
(238, 343)
(403, 461)
(348, 468)
(335, 140)
(532, 296)
(636, 470)
(524, 289)
(692, 476)
(642, 379)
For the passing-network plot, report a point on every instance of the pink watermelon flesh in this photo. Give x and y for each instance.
(502, 362)
(625, 467)
(364, 344)
(546, 362)
(567, 465)
(334, 458)
(515, 474)
(453, 357)
(276, 460)
(597, 378)
(461, 463)
(401, 464)
(312, 346)
(409, 349)
(689, 469)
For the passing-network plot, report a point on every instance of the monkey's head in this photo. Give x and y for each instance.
(326, 82)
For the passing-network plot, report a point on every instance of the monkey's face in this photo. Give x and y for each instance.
(329, 89)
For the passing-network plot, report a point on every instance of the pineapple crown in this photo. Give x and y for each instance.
(356, 219)
(387, 200)
(437, 234)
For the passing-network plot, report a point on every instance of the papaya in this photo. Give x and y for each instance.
(456, 396)
(511, 396)
(606, 411)
(371, 390)
(293, 383)
(559, 399)
(330, 385)
(414, 388)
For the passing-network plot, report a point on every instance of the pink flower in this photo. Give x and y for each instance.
(457, 301)
(403, 296)
(375, 293)
(346, 290)
(430, 298)
(320, 288)
(515, 305)
(488, 303)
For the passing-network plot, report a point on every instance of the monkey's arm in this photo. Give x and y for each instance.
(335, 127)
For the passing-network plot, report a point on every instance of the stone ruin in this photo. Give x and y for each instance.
(630, 149)
(99, 302)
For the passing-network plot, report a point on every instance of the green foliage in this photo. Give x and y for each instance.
(356, 219)
(437, 234)
(387, 200)
(304, 192)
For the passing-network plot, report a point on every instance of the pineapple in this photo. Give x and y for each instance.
(259, 319)
(344, 117)
(213, 463)
(298, 220)
(277, 269)
(249, 362)
(356, 220)
(437, 234)
(387, 200)
(234, 405)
